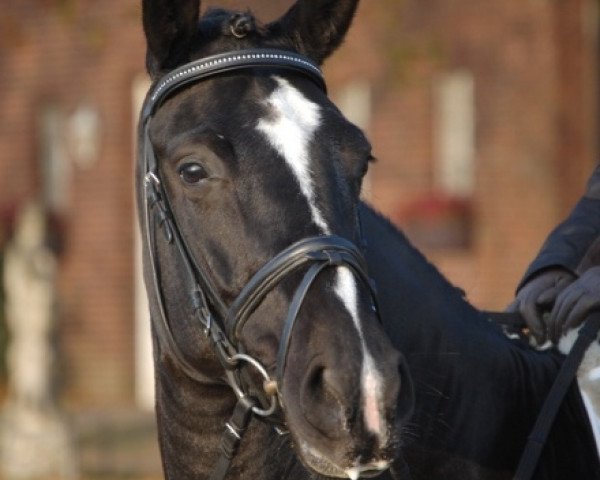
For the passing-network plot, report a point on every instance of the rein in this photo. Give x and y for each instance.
(567, 373)
(222, 325)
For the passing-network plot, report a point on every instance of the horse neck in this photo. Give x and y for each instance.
(191, 420)
(452, 351)
(422, 308)
(467, 374)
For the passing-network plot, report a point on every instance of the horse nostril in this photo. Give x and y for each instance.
(322, 403)
(313, 391)
(324, 385)
(340, 389)
(315, 378)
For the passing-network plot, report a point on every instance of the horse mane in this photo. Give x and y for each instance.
(409, 249)
(453, 351)
(427, 293)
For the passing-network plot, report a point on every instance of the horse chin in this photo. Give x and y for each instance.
(321, 465)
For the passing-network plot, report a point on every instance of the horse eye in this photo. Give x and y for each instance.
(364, 167)
(192, 173)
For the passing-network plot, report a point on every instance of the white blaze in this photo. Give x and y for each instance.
(289, 129)
(290, 132)
(371, 382)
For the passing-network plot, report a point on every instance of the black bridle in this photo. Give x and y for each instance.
(223, 324)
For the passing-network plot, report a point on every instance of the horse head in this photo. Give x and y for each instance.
(249, 188)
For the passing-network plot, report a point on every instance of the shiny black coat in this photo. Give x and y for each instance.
(477, 392)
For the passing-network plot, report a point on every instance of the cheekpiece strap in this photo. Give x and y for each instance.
(232, 437)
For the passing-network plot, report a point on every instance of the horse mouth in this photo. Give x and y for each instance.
(324, 466)
(368, 471)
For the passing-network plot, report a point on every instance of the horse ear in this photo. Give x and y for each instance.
(315, 27)
(169, 26)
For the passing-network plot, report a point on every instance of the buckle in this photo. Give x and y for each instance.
(268, 384)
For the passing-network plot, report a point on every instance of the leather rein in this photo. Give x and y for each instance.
(222, 325)
(563, 381)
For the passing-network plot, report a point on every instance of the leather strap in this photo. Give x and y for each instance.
(567, 373)
(232, 437)
(227, 62)
(539, 434)
(512, 320)
(161, 324)
(323, 248)
(292, 315)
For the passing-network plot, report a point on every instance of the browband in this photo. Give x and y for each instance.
(226, 62)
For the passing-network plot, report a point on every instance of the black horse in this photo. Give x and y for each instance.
(255, 170)
(477, 392)
(237, 166)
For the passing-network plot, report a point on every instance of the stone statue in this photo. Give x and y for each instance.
(29, 274)
(34, 440)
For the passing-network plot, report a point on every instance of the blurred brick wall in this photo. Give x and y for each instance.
(64, 53)
(535, 71)
(534, 65)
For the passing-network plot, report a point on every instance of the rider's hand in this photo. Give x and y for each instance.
(538, 297)
(574, 304)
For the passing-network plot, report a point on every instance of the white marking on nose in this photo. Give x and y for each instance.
(353, 473)
(289, 129)
(371, 385)
(371, 381)
(594, 374)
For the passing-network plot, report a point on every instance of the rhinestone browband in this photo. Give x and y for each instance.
(208, 66)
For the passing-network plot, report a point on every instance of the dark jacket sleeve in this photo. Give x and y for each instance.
(569, 243)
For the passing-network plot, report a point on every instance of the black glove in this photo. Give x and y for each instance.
(537, 298)
(574, 304)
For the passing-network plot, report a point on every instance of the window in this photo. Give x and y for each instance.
(441, 218)
(454, 134)
(55, 169)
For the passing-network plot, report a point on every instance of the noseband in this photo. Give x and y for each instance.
(223, 324)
